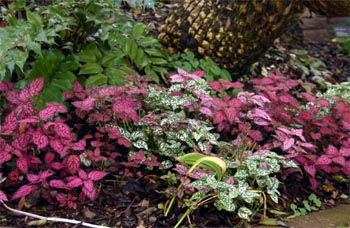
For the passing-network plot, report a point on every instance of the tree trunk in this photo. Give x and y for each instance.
(234, 33)
(330, 8)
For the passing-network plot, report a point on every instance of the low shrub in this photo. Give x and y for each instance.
(257, 136)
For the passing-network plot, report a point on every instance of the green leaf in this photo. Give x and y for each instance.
(111, 58)
(244, 213)
(155, 52)
(115, 76)
(91, 68)
(90, 54)
(148, 41)
(141, 59)
(210, 162)
(137, 30)
(133, 51)
(158, 61)
(96, 80)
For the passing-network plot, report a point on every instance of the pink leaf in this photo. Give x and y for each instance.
(24, 95)
(82, 174)
(339, 160)
(287, 144)
(299, 133)
(24, 191)
(57, 184)
(206, 111)
(80, 145)
(96, 175)
(86, 105)
(230, 114)
(89, 189)
(323, 160)
(62, 130)
(219, 117)
(332, 150)
(3, 197)
(74, 182)
(113, 133)
(6, 86)
(22, 164)
(40, 140)
(57, 165)
(123, 141)
(73, 163)
(49, 157)
(56, 145)
(310, 169)
(344, 152)
(47, 113)
(36, 86)
(313, 183)
(32, 178)
(256, 135)
(32, 119)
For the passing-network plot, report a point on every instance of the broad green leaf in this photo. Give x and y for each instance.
(148, 41)
(137, 30)
(141, 59)
(91, 68)
(115, 76)
(111, 58)
(133, 51)
(158, 61)
(96, 80)
(126, 46)
(154, 52)
(70, 64)
(90, 54)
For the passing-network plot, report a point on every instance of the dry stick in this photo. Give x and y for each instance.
(51, 219)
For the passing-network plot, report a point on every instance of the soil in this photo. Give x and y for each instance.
(135, 202)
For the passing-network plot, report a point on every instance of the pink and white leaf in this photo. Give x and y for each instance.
(332, 150)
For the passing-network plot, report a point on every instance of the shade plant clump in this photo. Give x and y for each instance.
(212, 144)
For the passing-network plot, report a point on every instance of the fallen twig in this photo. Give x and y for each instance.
(51, 219)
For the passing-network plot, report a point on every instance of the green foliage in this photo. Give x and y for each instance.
(209, 162)
(344, 43)
(135, 3)
(190, 63)
(341, 90)
(308, 205)
(91, 41)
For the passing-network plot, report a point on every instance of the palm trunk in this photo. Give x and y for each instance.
(234, 33)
